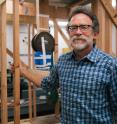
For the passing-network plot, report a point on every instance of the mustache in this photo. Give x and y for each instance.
(78, 38)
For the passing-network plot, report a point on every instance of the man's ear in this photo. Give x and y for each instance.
(96, 34)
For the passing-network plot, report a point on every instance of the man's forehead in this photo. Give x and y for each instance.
(80, 17)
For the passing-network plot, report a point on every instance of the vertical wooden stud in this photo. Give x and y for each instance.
(3, 59)
(34, 92)
(99, 11)
(57, 106)
(37, 16)
(116, 30)
(108, 32)
(29, 83)
(56, 40)
(38, 30)
(16, 61)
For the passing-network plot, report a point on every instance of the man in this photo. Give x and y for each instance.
(87, 77)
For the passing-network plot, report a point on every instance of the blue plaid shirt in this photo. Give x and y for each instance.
(88, 88)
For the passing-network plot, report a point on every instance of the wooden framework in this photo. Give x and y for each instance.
(110, 10)
(105, 37)
(107, 16)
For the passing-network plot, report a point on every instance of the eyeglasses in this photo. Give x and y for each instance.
(83, 28)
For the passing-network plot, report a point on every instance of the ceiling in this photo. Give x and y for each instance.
(61, 3)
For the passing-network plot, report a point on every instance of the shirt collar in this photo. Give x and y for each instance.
(93, 56)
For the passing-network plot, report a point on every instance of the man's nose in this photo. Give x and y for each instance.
(78, 31)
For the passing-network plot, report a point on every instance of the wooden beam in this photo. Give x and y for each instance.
(116, 31)
(28, 9)
(16, 62)
(3, 60)
(44, 24)
(99, 11)
(22, 19)
(38, 31)
(29, 83)
(34, 87)
(11, 55)
(56, 41)
(79, 3)
(110, 10)
(53, 11)
(24, 9)
(37, 16)
(105, 39)
(108, 34)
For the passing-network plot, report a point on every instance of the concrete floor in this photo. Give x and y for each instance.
(51, 119)
(48, 119)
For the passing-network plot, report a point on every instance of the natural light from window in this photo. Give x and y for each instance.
(114, 3)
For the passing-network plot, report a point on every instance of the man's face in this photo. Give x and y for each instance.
(81, 32)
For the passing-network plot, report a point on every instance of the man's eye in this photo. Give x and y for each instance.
(73, 27)
(83, 26)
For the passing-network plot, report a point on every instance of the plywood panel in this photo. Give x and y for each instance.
(53, 11)
(29, 9)
(24, 9)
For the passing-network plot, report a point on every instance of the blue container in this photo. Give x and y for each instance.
(38, 59)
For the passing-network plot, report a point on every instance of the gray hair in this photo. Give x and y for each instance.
(88, 12)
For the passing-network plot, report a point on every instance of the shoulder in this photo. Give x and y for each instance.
(65, 56)
(64, 59)
(107, 59)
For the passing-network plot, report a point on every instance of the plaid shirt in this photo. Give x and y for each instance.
(88, 88)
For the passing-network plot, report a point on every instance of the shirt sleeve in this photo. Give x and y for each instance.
(52, 81)
(113, 91)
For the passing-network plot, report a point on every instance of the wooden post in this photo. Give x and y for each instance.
(116, 30)
(34, 87)
(110, 10)
(4, 113)
(105, 36)
(99, 11)
(37, 16)
(29, 83)
(38, 30)
(56, 40)
(16, 61)
(108, 34)
(57, 106)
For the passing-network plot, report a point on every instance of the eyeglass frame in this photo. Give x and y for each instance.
(79, 27)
